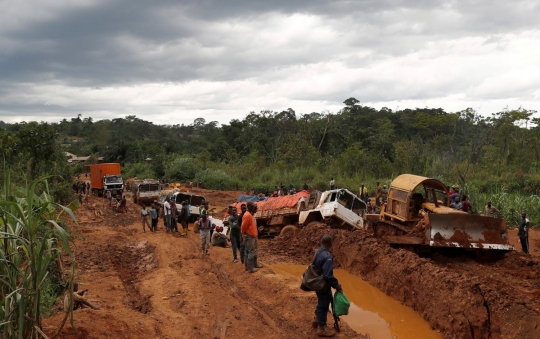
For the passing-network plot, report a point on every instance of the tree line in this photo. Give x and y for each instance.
(358, 144)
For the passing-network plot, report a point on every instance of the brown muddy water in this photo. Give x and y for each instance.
(372, 311)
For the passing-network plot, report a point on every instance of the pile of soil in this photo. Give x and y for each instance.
(460, 296)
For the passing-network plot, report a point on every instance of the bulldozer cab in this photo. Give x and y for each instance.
(408, 195)
(423, 204)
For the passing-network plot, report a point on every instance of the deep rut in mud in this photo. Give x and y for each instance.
(460, 297)
(132, 261)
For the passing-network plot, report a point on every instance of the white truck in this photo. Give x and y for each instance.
(339, 208)
(145, 191)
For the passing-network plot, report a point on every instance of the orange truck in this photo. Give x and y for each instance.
(106, 177)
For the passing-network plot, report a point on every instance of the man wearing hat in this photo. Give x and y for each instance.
(218, 238)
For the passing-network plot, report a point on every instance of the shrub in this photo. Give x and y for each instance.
(182, 169)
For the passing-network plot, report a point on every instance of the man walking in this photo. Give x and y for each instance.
(167, 213)
(144, 217)
(249, 230)
(332, 184)
(204, 233)
(236, 238)
(523, 232)
(324, 265)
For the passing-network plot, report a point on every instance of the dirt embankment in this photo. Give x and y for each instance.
(158, 285)
(461, 297)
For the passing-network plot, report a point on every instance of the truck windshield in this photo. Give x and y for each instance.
(345, 199)
(148, 187)
(113, 179)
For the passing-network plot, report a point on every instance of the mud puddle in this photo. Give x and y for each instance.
(372, 311)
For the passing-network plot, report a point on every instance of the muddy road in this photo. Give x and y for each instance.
(158, 285)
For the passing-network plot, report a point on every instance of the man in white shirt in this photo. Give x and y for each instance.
(167, 213)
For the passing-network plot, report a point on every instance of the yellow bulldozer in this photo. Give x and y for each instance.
(418, 213)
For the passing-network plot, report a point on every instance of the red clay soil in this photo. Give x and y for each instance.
(461, 296)
(158, 285)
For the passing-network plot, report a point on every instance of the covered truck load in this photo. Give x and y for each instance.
(278, 212)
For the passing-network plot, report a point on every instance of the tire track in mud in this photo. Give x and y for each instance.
(224, 277)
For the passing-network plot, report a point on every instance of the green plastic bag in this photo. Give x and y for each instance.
(341, 304)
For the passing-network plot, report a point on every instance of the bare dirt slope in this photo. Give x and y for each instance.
(158, 285)
(461, 296)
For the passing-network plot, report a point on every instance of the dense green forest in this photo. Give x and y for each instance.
(492, 157)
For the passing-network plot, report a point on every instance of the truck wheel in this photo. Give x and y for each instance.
(289, 229)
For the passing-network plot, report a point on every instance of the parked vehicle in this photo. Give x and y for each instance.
(145, 191)
(106, 177)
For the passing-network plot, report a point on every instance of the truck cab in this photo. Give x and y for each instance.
(339, 208)
(145, 191)
(113, 183)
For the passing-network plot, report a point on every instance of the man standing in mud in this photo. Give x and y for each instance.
(167, 214)
(235, 237)
(324, 265)
(243, 255)
(184, 218)
(204, 233)
(523, 232)
(249, 230)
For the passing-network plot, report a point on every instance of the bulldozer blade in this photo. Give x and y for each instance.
(467, 231)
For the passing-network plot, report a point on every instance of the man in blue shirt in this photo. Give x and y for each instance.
(324, 265)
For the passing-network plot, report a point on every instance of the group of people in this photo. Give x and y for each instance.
(243, 235)
(81, 187)
(282, 190)
(171, 216)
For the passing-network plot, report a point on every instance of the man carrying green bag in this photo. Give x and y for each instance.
(323, 264)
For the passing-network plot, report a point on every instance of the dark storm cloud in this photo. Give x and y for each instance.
(53, 54)
(180, 41)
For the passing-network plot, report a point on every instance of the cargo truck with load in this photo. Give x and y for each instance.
(106, 177)
(338, 208)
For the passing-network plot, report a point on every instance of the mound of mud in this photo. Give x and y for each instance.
(461, 298)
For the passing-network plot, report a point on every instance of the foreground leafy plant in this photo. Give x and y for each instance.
(31, 240)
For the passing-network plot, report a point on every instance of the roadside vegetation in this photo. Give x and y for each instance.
(32, 240)
(492, 158)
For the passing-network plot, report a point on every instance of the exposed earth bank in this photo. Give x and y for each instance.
(462, 296)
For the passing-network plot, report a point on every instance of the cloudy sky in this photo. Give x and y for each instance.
(170, 61)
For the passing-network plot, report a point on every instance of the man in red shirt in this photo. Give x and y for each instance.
(249, 230)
